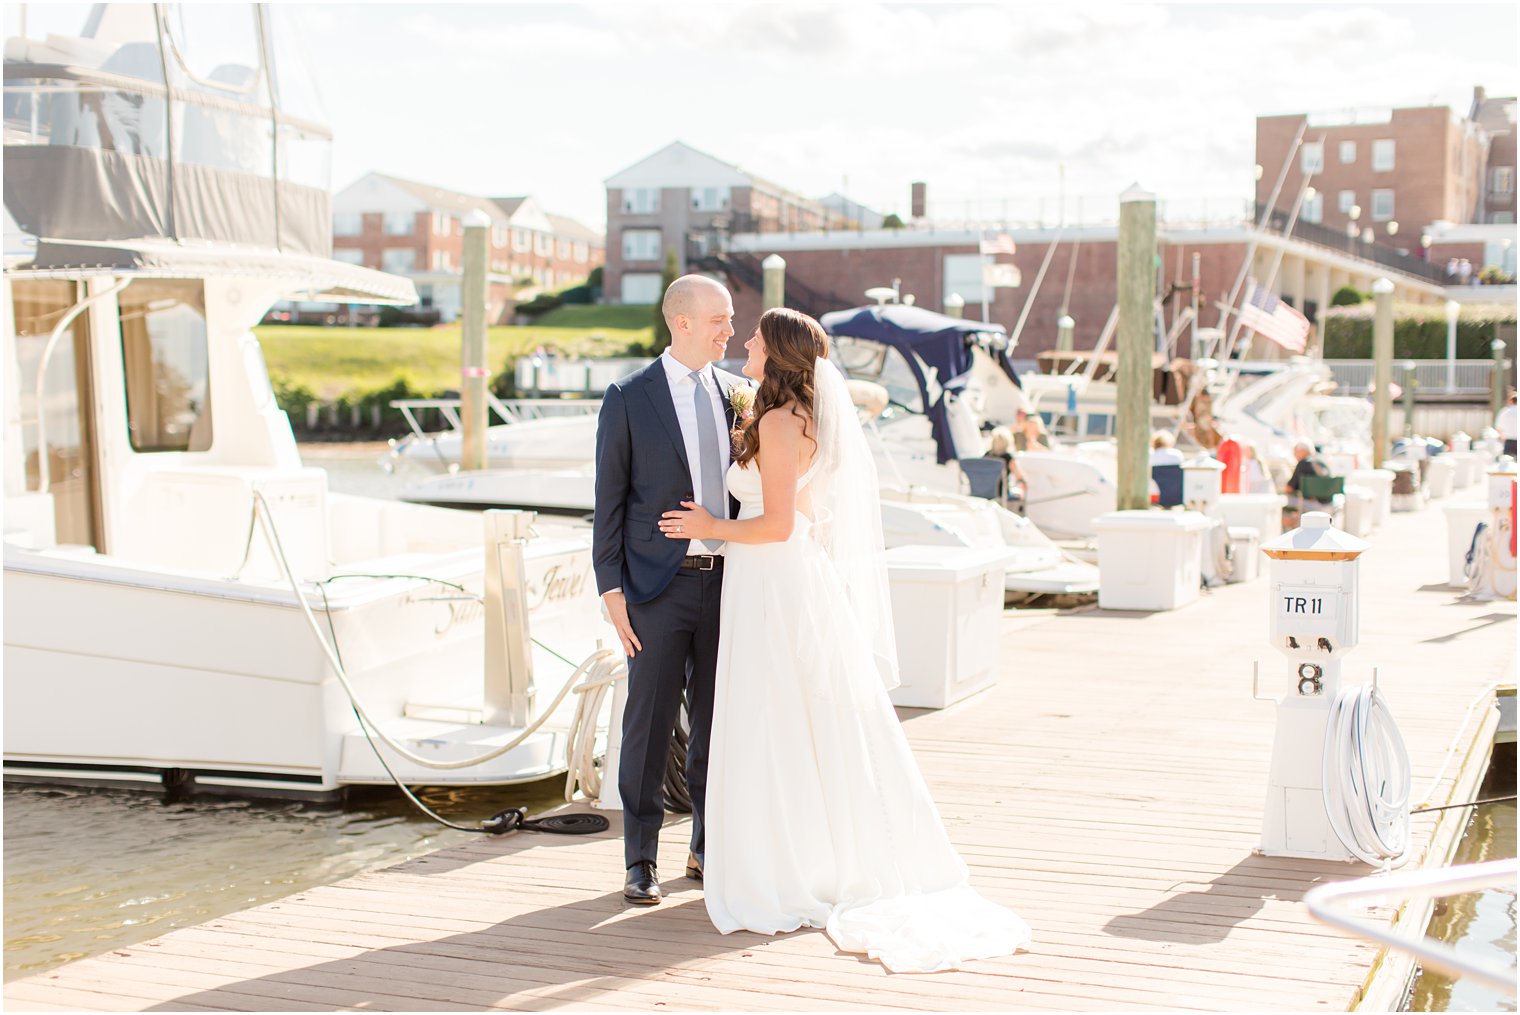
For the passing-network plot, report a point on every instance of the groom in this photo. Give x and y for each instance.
(663, 437)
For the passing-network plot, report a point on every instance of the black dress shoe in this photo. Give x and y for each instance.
(642, 886)
(693, 867)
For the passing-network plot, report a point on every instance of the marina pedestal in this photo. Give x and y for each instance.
(1440, 477)
(946, 604)
(1149, 560)
(1462, 521)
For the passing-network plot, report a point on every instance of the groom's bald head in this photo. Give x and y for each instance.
(700, 315)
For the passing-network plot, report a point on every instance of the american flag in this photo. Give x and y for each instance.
(1273, 319)
(1002, 243)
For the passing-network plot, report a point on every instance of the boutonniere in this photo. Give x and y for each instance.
(741, 398)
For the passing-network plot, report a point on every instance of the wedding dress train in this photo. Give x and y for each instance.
(817, 814)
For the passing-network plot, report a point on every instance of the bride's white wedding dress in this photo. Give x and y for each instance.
(817, 815)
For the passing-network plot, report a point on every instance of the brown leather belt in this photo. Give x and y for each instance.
(703, 562)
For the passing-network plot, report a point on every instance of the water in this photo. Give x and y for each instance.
(1480, 925)
(91, 870)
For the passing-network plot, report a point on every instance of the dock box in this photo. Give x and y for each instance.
(946, 605)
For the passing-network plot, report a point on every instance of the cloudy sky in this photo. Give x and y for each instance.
(986, 103)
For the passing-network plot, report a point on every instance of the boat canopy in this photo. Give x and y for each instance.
(303, 277)
(134, 128)
(937, 348)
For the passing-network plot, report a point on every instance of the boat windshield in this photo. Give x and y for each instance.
(865, 360)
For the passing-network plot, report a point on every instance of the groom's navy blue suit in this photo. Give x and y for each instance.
(642, 472)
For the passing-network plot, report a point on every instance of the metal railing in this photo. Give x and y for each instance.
(1335, 239)
(1325, 901)
(1466, 377)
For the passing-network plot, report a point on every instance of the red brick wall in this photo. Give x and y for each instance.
(846, 274)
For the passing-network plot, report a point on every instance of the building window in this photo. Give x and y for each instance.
(499, 236)
(562, 249)
(709, 198)
(1345, 201)
(1314, 208)
(348, 255)
(1348, 152)
(1382, 205)
(399, 260)
(582, 253)
(400, 223)
(1382, 156)
(543, 244)
(440, 224)
(1501, 181)
(1311, 157)
(163, 346)
(641, 245)
(1502, 218)
(640, 287)
(349, 224)
(641, 200)
(522, 241)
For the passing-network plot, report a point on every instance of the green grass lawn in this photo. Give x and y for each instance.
(336, 362)
(632, 316)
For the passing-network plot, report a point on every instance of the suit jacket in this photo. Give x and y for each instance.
(641, 472)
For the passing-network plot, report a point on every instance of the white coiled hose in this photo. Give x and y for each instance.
(1366, 778)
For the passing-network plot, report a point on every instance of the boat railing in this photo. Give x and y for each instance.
(1327, 903)
(506, 411)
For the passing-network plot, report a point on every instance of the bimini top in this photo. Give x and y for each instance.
(928, 340)
(301, 276)
(941, 341)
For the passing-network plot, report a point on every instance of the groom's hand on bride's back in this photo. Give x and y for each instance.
(616, 605)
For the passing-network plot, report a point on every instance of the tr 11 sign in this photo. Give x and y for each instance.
(1306, 613)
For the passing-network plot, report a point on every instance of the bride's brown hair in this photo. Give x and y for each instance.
(793, 344)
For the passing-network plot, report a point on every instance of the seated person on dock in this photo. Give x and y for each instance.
(1029, 432)
(1163, 451)
(1309, 474)
(1001, 446)
(1254, 478)
(1166, 469)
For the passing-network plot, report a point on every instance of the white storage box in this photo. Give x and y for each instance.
(1245, 553)
(946, 605)
(1440, 477)
(1380, 482)
(1361, 510)
(1149, 560)
(1462, 520)
(1260, 511)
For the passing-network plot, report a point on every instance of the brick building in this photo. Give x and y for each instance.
(831, 271)
(1496, 117)
(1384, 176)
(417, 230)
(683, 200)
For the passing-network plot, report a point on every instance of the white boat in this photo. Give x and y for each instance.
(185, 603)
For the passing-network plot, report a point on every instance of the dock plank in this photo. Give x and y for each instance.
(1109, 788)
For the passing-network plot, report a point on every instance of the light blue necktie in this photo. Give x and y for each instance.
(712, 462)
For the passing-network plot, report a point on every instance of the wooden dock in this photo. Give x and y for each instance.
(1109, 788)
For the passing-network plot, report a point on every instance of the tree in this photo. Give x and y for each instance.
(661, 329)
(892, 221)
(1347, 296)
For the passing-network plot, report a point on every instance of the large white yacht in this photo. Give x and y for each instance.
(186, 603)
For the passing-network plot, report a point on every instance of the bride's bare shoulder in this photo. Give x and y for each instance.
(782, 424)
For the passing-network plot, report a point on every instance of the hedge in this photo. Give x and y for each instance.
(1419, 331)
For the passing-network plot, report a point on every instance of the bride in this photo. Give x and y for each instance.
(817, 815)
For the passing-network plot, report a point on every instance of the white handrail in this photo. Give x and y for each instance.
(1324, 902)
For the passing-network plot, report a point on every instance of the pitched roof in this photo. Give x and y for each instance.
(440, 199)
(570, 229)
